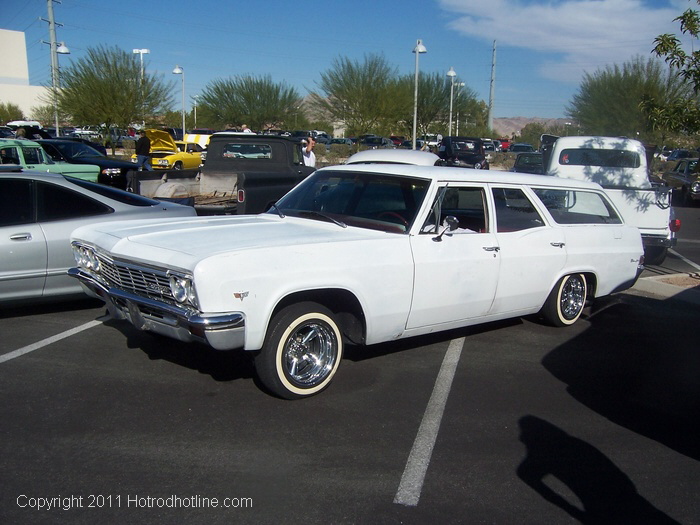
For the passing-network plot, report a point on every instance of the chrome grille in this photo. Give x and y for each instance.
(139, 280)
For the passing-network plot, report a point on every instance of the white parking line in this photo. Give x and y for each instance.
(686, 261)
(418, 460)
(49, 340)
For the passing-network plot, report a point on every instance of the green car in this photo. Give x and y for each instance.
(31, 156)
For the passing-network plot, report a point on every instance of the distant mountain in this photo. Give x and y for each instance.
(508, 126)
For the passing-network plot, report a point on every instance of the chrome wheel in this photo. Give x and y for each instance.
(302, 351)
(573, 297)
(309, 353)
(565, 303)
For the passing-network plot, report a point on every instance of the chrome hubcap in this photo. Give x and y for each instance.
(310, 353)
(572, 298)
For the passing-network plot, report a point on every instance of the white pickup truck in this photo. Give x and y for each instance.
(620, 166)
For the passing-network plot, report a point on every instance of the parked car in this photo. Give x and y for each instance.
(343, 141)
(38, 212)
(112, 171)
(420, 144)
(394, 156)
(170, 154)
(528, 162)
(363, 254)
(30, 155)
(685, 181)
(521, 147)
(376, 142)
(678, 154)
(464, 152)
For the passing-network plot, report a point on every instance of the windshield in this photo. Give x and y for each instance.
(73, 150)
(367, 200)
(113, 193)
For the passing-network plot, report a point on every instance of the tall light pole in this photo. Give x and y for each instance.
(180, 71)
(55, 51)
(196, 99)
(420, 48)
(142, 52)
(451, 73)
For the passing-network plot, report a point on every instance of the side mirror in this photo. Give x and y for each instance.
(452, 225)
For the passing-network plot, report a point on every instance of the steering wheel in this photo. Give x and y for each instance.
(395, 215)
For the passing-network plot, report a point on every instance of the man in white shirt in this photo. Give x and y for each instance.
(307, 152)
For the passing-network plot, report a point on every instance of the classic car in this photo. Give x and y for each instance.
(30, 155)
(256, 169)
(684, 178)
(170, 154)
(38, 212)
(465, 152)
(112, 171)
(528, 162)
(363, 254)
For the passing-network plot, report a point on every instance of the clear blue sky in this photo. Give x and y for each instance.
(543, 46)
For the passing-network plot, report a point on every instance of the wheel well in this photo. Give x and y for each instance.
(344, 305)
(591, 283)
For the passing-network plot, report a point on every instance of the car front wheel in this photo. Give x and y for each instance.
(565, 303)
(177, 166)
(302, 351)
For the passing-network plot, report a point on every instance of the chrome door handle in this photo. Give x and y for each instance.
(558, 244)
(21, 237)
(492, 248)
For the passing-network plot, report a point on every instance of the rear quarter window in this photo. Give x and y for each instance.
(577, 207)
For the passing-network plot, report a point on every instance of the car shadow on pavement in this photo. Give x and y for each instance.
(220, 365)
(637, 365)
(605, 494)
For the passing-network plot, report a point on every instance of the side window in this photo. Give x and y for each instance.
(466, 204)
(52, 152)
(55, 203)
(578, 207)
(9, 155)
(33, 155)
(15, 202)
(514, 211)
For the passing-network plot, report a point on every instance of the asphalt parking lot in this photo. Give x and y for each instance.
(510, 422)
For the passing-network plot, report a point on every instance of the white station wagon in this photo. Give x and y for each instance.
(363, 254)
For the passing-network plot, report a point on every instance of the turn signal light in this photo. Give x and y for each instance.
(675, 225)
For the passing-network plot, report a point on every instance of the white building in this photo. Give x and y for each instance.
(14, 74)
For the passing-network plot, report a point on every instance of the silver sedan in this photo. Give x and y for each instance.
(38, 213)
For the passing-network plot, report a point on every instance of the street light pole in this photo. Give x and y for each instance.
(142, 52)
(196, 99)
(451, 73)
(180, 71)
(420, 48)
(55, 50)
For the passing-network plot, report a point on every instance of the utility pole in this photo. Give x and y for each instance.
(493, 85)
(55, 49)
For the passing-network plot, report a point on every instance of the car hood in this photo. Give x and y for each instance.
(103, 162)
(184, 242)
(161, 140)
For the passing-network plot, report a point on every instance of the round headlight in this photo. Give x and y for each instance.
(93, 261)
(695, 187)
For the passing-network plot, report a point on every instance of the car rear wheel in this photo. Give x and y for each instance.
(655, 255)
(565, 303)
(302, 351)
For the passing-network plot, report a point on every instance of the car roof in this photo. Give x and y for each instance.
(18, 142)
(394, 156)
(454, 174)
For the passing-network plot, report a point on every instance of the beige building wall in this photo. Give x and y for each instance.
(14, 74)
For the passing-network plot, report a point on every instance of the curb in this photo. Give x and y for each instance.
(659, 285)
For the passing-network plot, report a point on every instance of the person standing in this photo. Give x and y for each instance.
(143, 152)
(307, 152)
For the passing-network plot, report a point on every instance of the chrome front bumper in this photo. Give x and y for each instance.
(222, 331)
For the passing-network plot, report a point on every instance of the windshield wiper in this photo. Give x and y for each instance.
(323, 216)
(277, 209)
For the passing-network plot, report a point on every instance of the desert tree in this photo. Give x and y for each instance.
(610, 101)
(105, 88)
(256, 101)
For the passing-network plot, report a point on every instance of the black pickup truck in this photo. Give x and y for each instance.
(253, 170)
